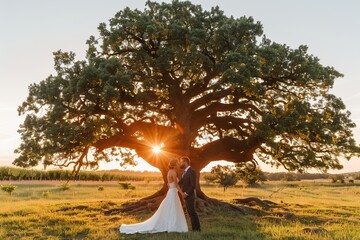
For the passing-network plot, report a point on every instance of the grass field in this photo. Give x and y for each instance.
(42, 210)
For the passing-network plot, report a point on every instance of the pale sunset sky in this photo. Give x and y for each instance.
(32, 29)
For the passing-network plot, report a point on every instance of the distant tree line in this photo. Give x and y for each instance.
(12, 173)
(227, 176)
(243, 174)
(289, 176)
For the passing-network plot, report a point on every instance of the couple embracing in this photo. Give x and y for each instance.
(170, 216)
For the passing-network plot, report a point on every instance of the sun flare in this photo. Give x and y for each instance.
(156, 149)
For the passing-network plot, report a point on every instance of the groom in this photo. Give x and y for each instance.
(188, 183)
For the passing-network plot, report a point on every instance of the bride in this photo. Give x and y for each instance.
(169, 217)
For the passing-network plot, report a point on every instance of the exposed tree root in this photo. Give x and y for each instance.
(212, 202)
(203, 205)
(137, 206)
(252, 201)
(206, 205)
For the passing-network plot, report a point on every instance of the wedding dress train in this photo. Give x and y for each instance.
(169, 217)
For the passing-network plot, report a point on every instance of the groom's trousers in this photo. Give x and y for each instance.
(190, 205)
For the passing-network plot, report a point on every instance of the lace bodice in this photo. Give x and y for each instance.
(172, 185)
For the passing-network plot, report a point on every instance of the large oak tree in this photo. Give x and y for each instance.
(196, 83)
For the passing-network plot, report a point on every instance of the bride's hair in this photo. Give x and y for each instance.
(172, 163)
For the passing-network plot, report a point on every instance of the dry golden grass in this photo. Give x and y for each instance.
(41, 210)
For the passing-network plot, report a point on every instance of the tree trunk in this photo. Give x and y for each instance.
(146, 204)
(151, 203)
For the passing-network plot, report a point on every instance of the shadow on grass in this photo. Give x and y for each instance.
(221, 223)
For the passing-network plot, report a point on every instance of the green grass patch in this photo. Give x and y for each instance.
(77, 213)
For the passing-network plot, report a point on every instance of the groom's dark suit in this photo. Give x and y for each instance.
(188, 183)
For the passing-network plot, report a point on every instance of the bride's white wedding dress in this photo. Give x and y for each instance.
(169, 217)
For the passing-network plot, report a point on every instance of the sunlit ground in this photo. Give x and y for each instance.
(41, 210)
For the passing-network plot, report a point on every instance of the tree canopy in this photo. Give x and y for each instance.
(196, 83)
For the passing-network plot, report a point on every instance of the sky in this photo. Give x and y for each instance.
(32, 29)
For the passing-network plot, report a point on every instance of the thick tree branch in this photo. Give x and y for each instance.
(119, 140)
(216, 107)
(121, 51)
(202, 85)
(226, 122)
(230, 149)
(210, 97)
